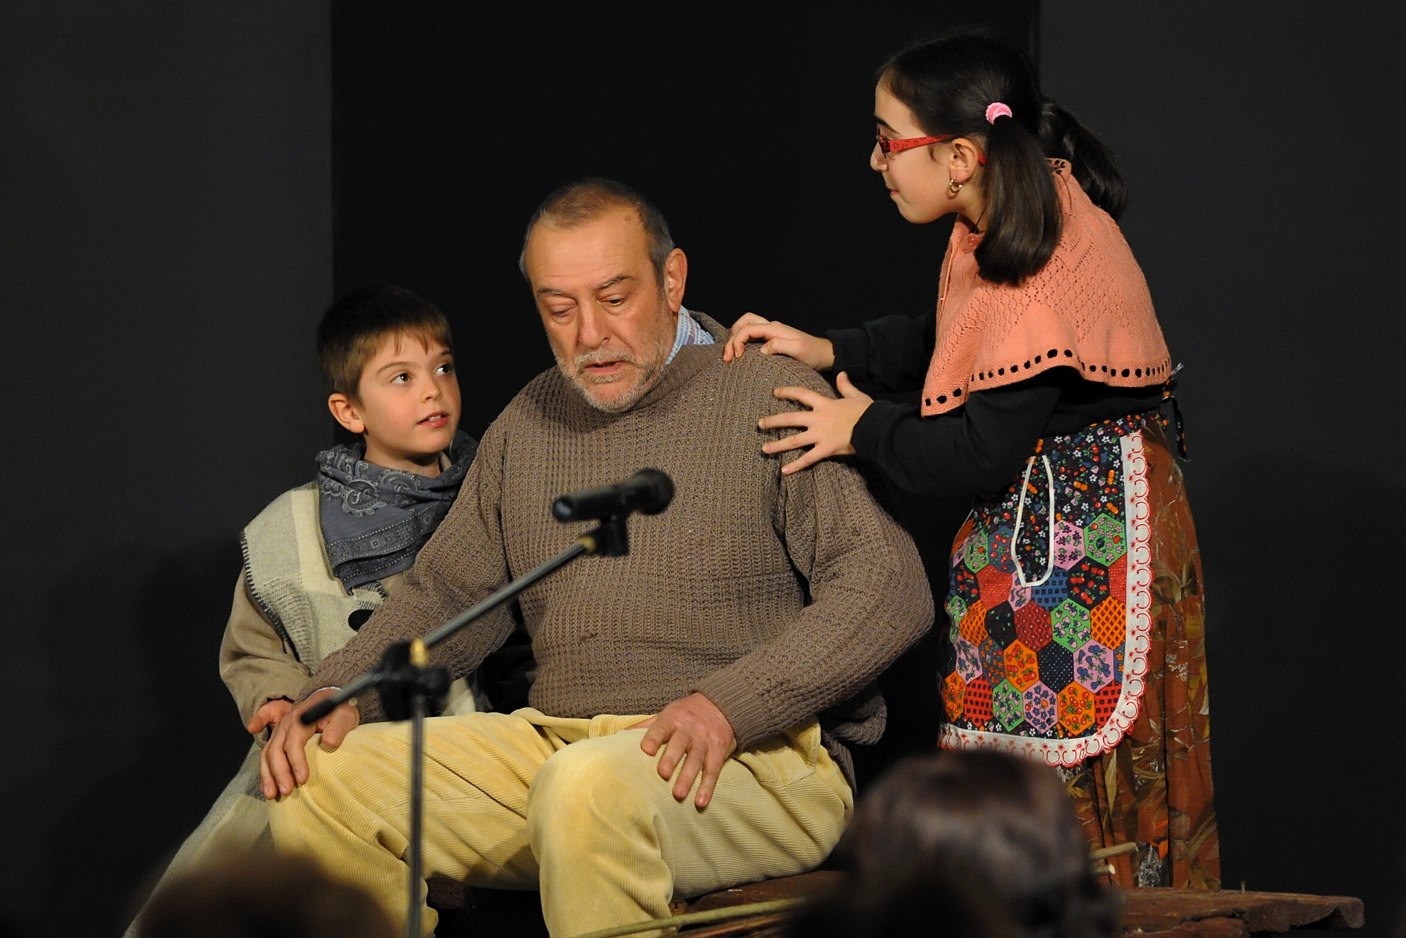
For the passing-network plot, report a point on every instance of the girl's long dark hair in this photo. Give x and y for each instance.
(1094, 164)
(948, 82)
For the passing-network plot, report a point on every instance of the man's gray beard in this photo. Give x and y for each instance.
(571, 371)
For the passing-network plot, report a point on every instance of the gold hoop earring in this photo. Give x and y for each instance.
(953, 186)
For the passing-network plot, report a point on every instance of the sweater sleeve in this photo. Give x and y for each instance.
(971, 451)
(460, 564)
(256, 663)
(869, 602)
(886, 355)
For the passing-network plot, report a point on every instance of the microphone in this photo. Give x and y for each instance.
(648, 491)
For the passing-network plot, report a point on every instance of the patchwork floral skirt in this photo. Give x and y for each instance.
(1077, 637)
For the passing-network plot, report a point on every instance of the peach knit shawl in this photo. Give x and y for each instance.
(1087, 308)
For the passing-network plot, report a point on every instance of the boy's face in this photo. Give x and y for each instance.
(406, 406)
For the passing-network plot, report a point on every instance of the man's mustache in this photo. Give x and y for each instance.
(602, 357)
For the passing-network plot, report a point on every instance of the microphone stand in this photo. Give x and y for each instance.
(405, 682)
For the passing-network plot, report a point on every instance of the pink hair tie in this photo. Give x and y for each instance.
(997, 109)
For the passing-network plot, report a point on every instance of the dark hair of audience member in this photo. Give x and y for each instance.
(899, 910)
(964, 827)
(265, 895)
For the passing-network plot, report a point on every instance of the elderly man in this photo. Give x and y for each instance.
(694, 699)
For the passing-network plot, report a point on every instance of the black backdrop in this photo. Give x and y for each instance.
(186, 186)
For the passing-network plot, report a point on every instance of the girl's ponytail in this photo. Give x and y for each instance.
(1023, 216)
(1094, 164)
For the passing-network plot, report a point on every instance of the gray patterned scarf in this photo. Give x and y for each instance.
(374, 519)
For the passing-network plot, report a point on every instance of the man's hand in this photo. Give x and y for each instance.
(283, 765)
(270, 714)
(696, 735)
(777, 338)
(827, 427)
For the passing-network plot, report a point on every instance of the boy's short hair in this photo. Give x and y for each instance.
(353, 327)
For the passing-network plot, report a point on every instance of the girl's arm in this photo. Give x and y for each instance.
(886, 355)
(973, 451)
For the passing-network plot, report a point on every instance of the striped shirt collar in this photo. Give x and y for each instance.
(689, 332)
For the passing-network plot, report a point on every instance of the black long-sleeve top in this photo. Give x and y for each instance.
(978, 448)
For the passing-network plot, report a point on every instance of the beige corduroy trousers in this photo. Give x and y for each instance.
(572, 807)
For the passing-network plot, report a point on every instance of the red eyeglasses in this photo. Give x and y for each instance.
(889, 147)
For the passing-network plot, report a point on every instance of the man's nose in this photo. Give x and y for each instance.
(594, 329)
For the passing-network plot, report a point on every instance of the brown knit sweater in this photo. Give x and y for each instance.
(780, 598)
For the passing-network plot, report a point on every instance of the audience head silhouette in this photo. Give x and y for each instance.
(262, 895)
(969, 842)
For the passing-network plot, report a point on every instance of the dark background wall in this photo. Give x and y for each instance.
(184, 188)
(165, 244)
(1267, 210)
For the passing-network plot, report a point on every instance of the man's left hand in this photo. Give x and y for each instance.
(696, 735)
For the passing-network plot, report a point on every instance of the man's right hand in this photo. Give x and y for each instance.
(283, 764)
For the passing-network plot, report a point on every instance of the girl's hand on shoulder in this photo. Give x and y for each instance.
(777, 338)
(826, 426)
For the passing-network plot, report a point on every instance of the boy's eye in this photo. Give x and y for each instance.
(400, 377)
(446, 368)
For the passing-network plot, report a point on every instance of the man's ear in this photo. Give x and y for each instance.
(675, 275)
(964, 155)
(344, 410)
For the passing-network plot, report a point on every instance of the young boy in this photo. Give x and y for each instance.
(321, 556)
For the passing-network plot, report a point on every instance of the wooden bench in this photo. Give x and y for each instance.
(1167, 913)
(1161, 912)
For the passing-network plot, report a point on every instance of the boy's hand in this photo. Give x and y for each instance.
(283, 765)
(269, 715)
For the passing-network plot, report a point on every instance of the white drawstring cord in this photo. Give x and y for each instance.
(1019, 513)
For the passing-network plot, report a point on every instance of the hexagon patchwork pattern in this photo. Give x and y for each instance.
(1094, 667)
(1040, 609)
(1076, 709)
(1105, 538)
(1022, 666)
(1033, 626)
(1069, 544)
(1071, 624)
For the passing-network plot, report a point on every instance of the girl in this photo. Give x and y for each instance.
(1076, 627)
